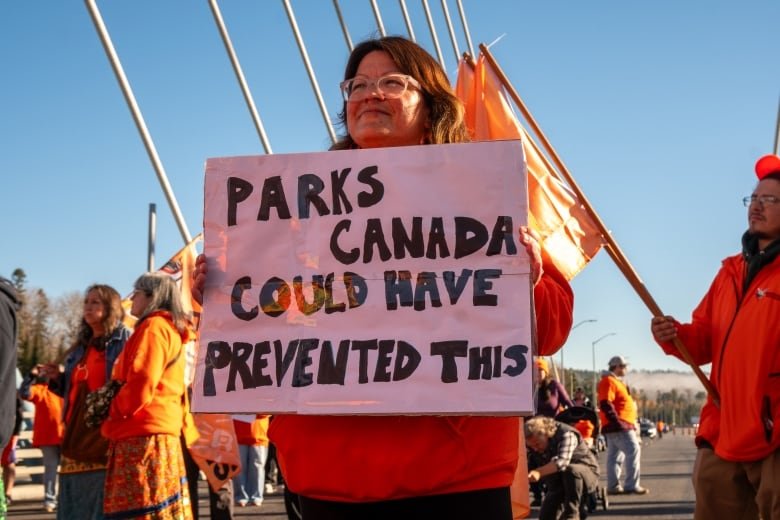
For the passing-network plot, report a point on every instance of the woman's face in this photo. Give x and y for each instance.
(140, 303)
(94, 310)
(376, 121)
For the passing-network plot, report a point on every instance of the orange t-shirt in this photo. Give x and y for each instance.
(91, 370)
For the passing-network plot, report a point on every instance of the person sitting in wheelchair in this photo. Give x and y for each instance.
(569, 468)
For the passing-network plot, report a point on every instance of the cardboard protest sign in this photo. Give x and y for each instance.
(378, 281)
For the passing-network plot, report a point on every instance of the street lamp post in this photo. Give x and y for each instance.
(563, 374)
(593, 347)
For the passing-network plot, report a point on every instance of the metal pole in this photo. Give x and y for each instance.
(151, 151)
(309, 69)
(563, 370)
(378, 18)
(407, 20)
(250, 103)
(152, 235)
(593, 347)
(777, 130)
(451, 30)
(433, 33)
(465, 27)
(343, 25)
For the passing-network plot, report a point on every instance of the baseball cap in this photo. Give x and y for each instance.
(767, 165)
(617, 361)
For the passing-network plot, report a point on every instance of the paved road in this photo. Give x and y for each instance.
(666, 469)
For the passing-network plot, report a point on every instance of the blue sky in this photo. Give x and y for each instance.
(658, 109)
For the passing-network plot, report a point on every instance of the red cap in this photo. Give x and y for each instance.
(767, 165)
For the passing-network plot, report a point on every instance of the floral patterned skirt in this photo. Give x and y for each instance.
(146, 480)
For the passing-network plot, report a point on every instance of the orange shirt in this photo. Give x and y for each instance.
(92, 370)
(365, 458)
(151, 367)
(615, 391)
(48, 426)
(254, 433)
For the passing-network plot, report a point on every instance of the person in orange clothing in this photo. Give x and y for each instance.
(252, 437)
(618, 413)
(145, 470)
(735, 329)
(86, 367)
(396, 94)
(47, 428)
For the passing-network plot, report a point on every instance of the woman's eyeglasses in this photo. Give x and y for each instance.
(391, 86)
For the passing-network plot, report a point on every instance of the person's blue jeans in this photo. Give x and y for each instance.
(627, 444)
(51, 459)
(249, 484)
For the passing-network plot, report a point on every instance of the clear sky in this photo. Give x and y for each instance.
(659, 109)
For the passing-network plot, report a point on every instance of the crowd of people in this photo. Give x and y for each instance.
(114, 417)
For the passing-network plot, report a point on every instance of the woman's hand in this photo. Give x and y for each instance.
(663, 328)
(530, 239)
(534, 476)
(199, 278)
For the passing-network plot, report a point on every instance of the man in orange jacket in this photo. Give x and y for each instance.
(735, 328)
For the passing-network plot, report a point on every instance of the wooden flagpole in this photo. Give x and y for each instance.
(611, 245)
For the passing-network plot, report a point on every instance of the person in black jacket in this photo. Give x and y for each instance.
(9, 305)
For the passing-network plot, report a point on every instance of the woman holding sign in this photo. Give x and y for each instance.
(396, 94)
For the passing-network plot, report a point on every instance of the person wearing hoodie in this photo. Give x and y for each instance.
(47, 428)
(9, 304)
(146, 473)
(735, 328)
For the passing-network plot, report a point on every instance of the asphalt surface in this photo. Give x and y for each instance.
(666, 470)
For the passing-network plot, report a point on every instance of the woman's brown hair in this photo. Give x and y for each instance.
(114, 314)
(445, 110)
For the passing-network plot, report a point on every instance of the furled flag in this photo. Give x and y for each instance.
(180, 267)
(567, 231)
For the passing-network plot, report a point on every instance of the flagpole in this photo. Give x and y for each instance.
(127, 91)
(250, 102)
(613, 249)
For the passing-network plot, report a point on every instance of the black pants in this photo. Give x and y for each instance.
(485, 504)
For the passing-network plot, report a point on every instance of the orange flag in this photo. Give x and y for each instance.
(180, 267)
(216, 450)
(568, 233)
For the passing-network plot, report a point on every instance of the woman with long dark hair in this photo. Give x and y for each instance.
(87, 366)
